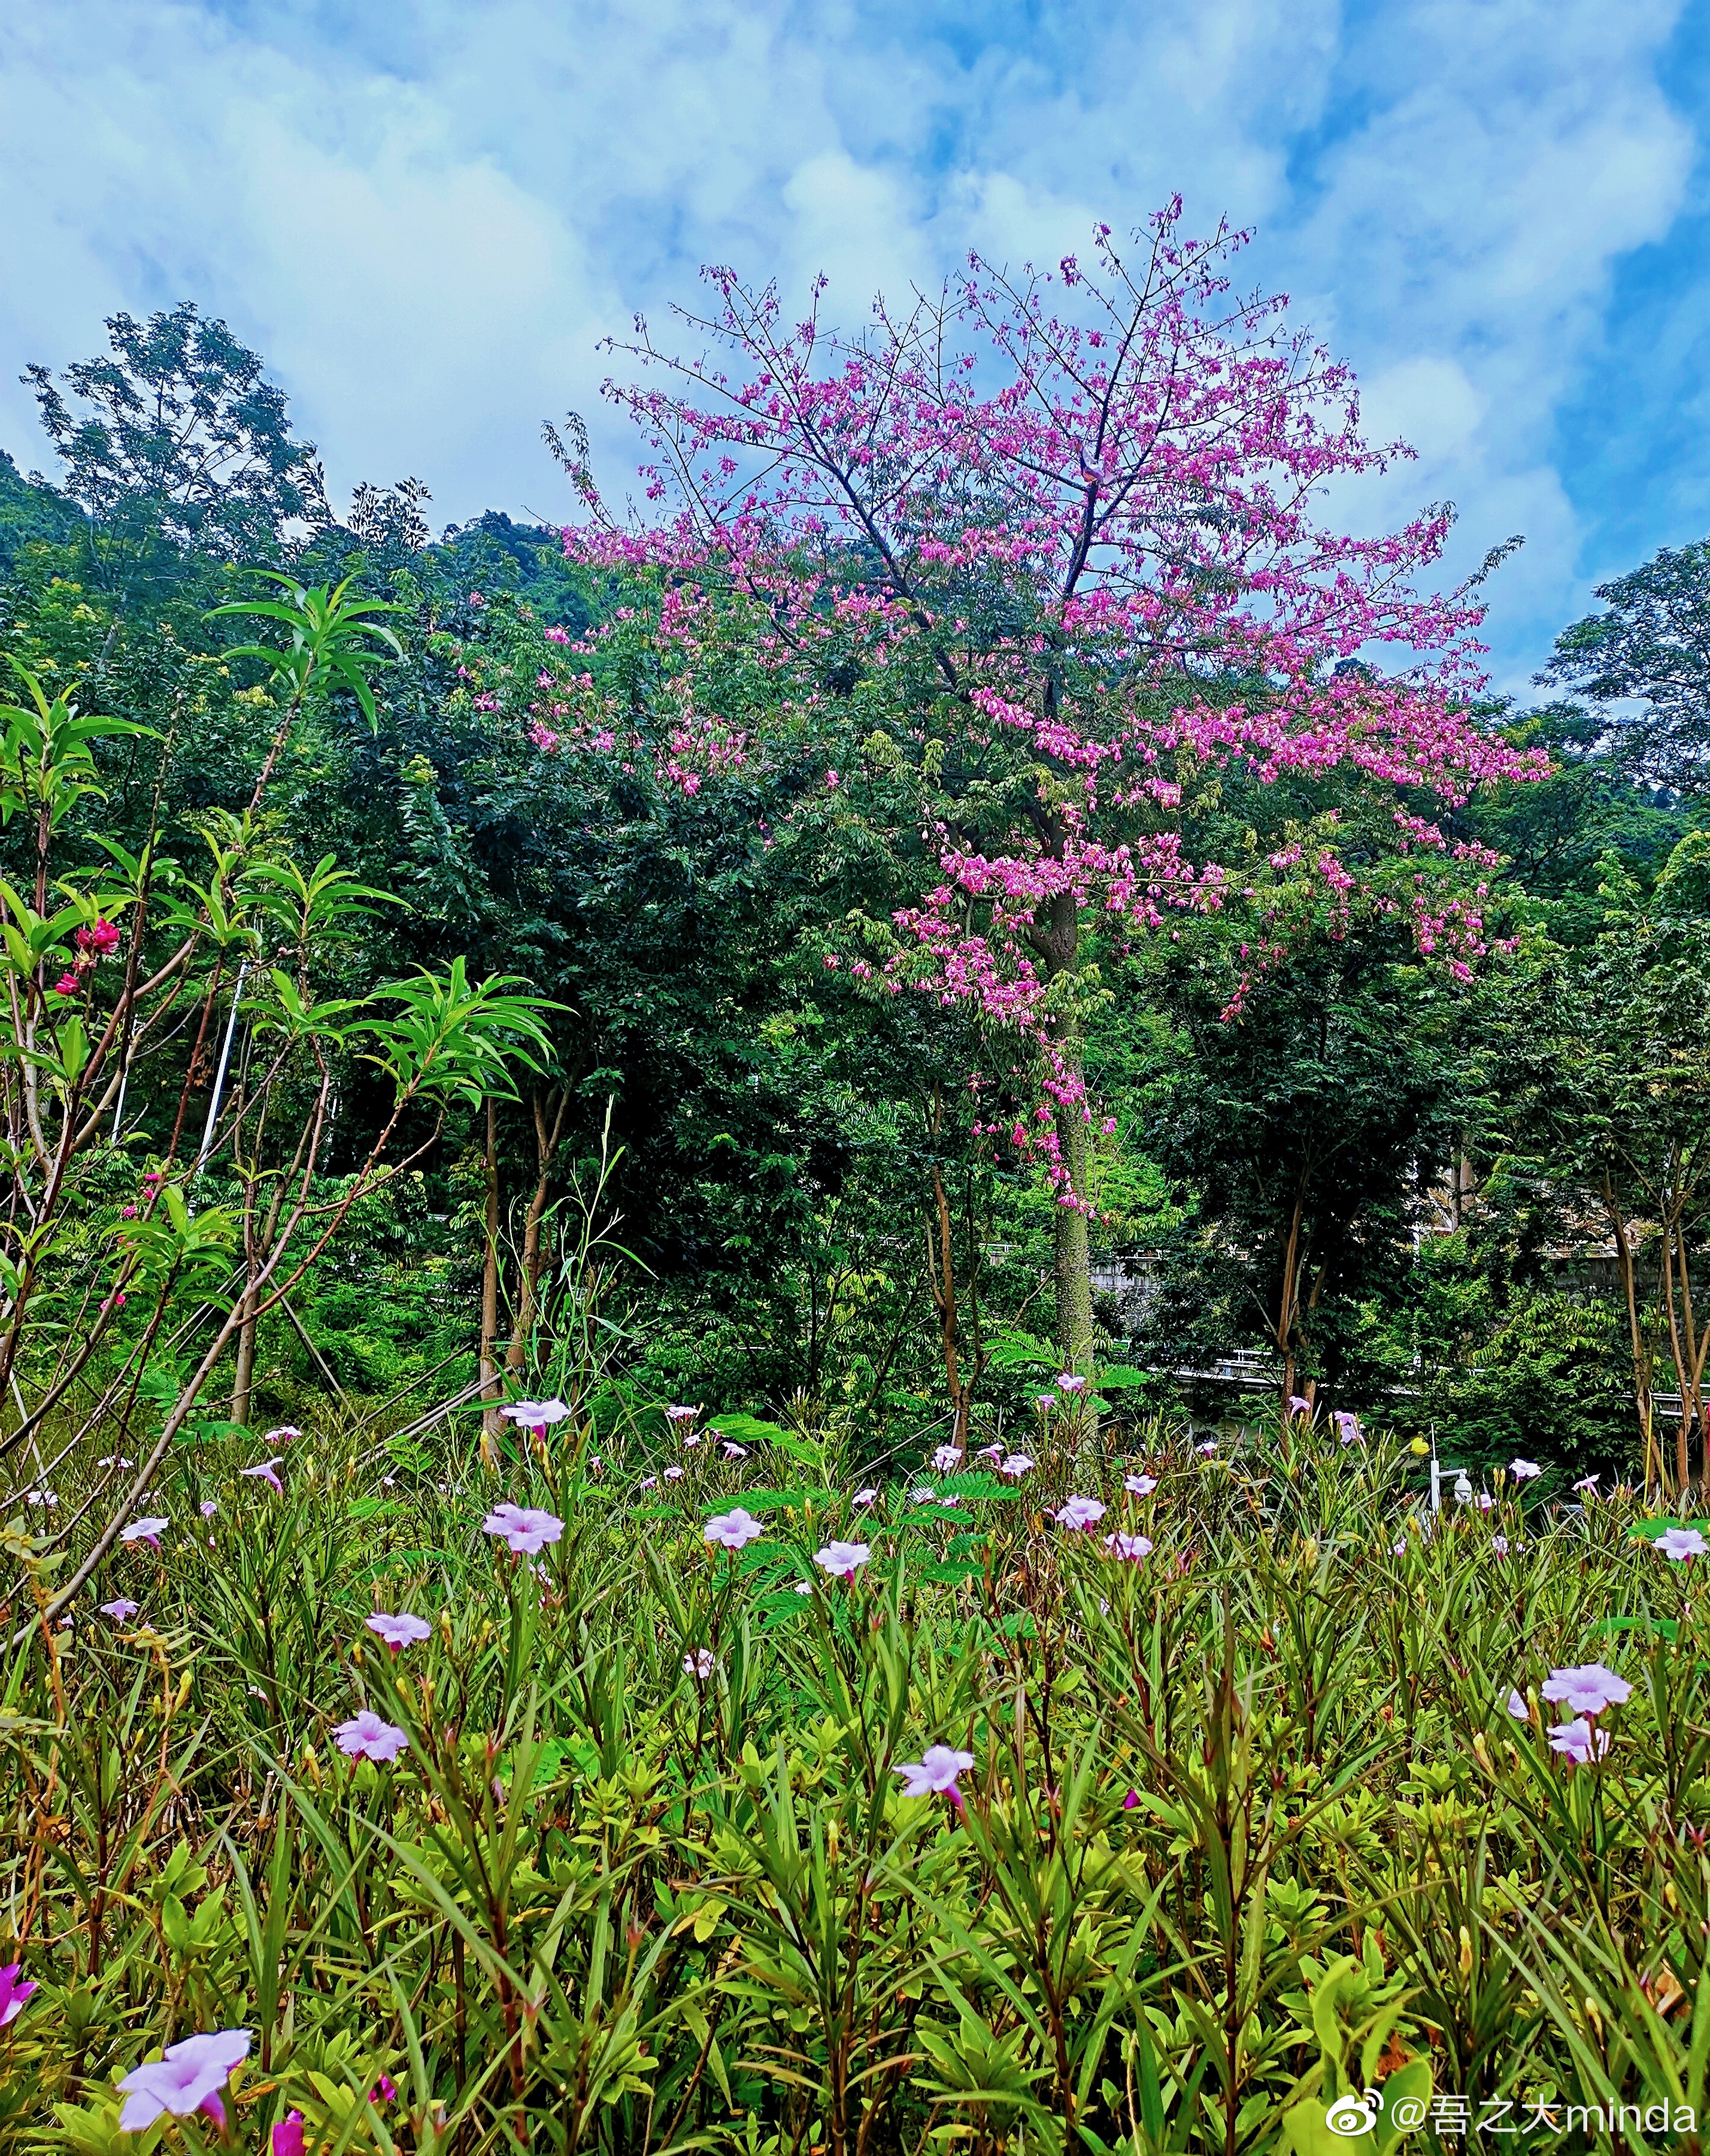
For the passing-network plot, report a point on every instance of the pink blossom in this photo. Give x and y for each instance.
(842, 1560)
(188, 2076)
(402, 1630)
(365, 1736)
(734, 1530)
(67, 984)
(287, 2136)
(1078, 1513)
(648, 1482)
(1298, 1405)
(525, 1529)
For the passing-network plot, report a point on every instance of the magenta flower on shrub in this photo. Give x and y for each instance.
(1130, 1547)
(13, 1992)
(525, 1529)
(1679, 1544)
(1522, 1471)
(934, 1774)
(1578, 1742)
(842, 1560)
(365, 1736)
(118, 1610)
(402, 1630)
(287, 2136)
(264, 1472)
(1585, 1688)
(146, 1531)
(1078, 1513)
(188, 2077)
(734, 1530)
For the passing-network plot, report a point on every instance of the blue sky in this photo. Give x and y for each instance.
(425, 215)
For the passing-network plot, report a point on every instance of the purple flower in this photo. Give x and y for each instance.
(1347, 1425)
(934, 1773)
(12, 1993)
(1587, 1688)
(1131, 1546)
(1499, 1545)
(1298, 1405)
(842, 1560)
(1139, 1485)
(690, 1442)
(648, 1482)
(946, 1458)
(734, 1530)
(146, 1531)
(992, 1452)
(365, 1736)
(1398, 1549)
(402, 1630)
(1017, 1464)
(1066, 1381)
(1207, 1449)
(208, 1508)
(537, 1415)
(734, 1451)
(1045, 1402)
(1078, 1513)
(1679, 1544)
(264, 1472)
(1485, 1502)
(384, 2091)
(1588, 1483)
(699, 1663)
(673, 1474)
(525, 1529)
(1131, 1802)
(1522, 1471)
(681, 1415)
(1517, 1707)
(283, 1435)
(287, 2137)
(119, 1611)
(864, 1498)
(1578, 1741)
(188, 2078)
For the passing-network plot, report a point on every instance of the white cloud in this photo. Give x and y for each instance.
(427, 226)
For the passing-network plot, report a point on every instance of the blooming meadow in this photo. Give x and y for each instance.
(1139, 1797)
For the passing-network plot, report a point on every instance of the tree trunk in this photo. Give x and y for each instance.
(941, 1274)
(546, 1149)
(1073, 1248)
(1616, 1214)
(489, 1287)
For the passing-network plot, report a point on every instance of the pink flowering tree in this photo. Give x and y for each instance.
(1052, 545)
